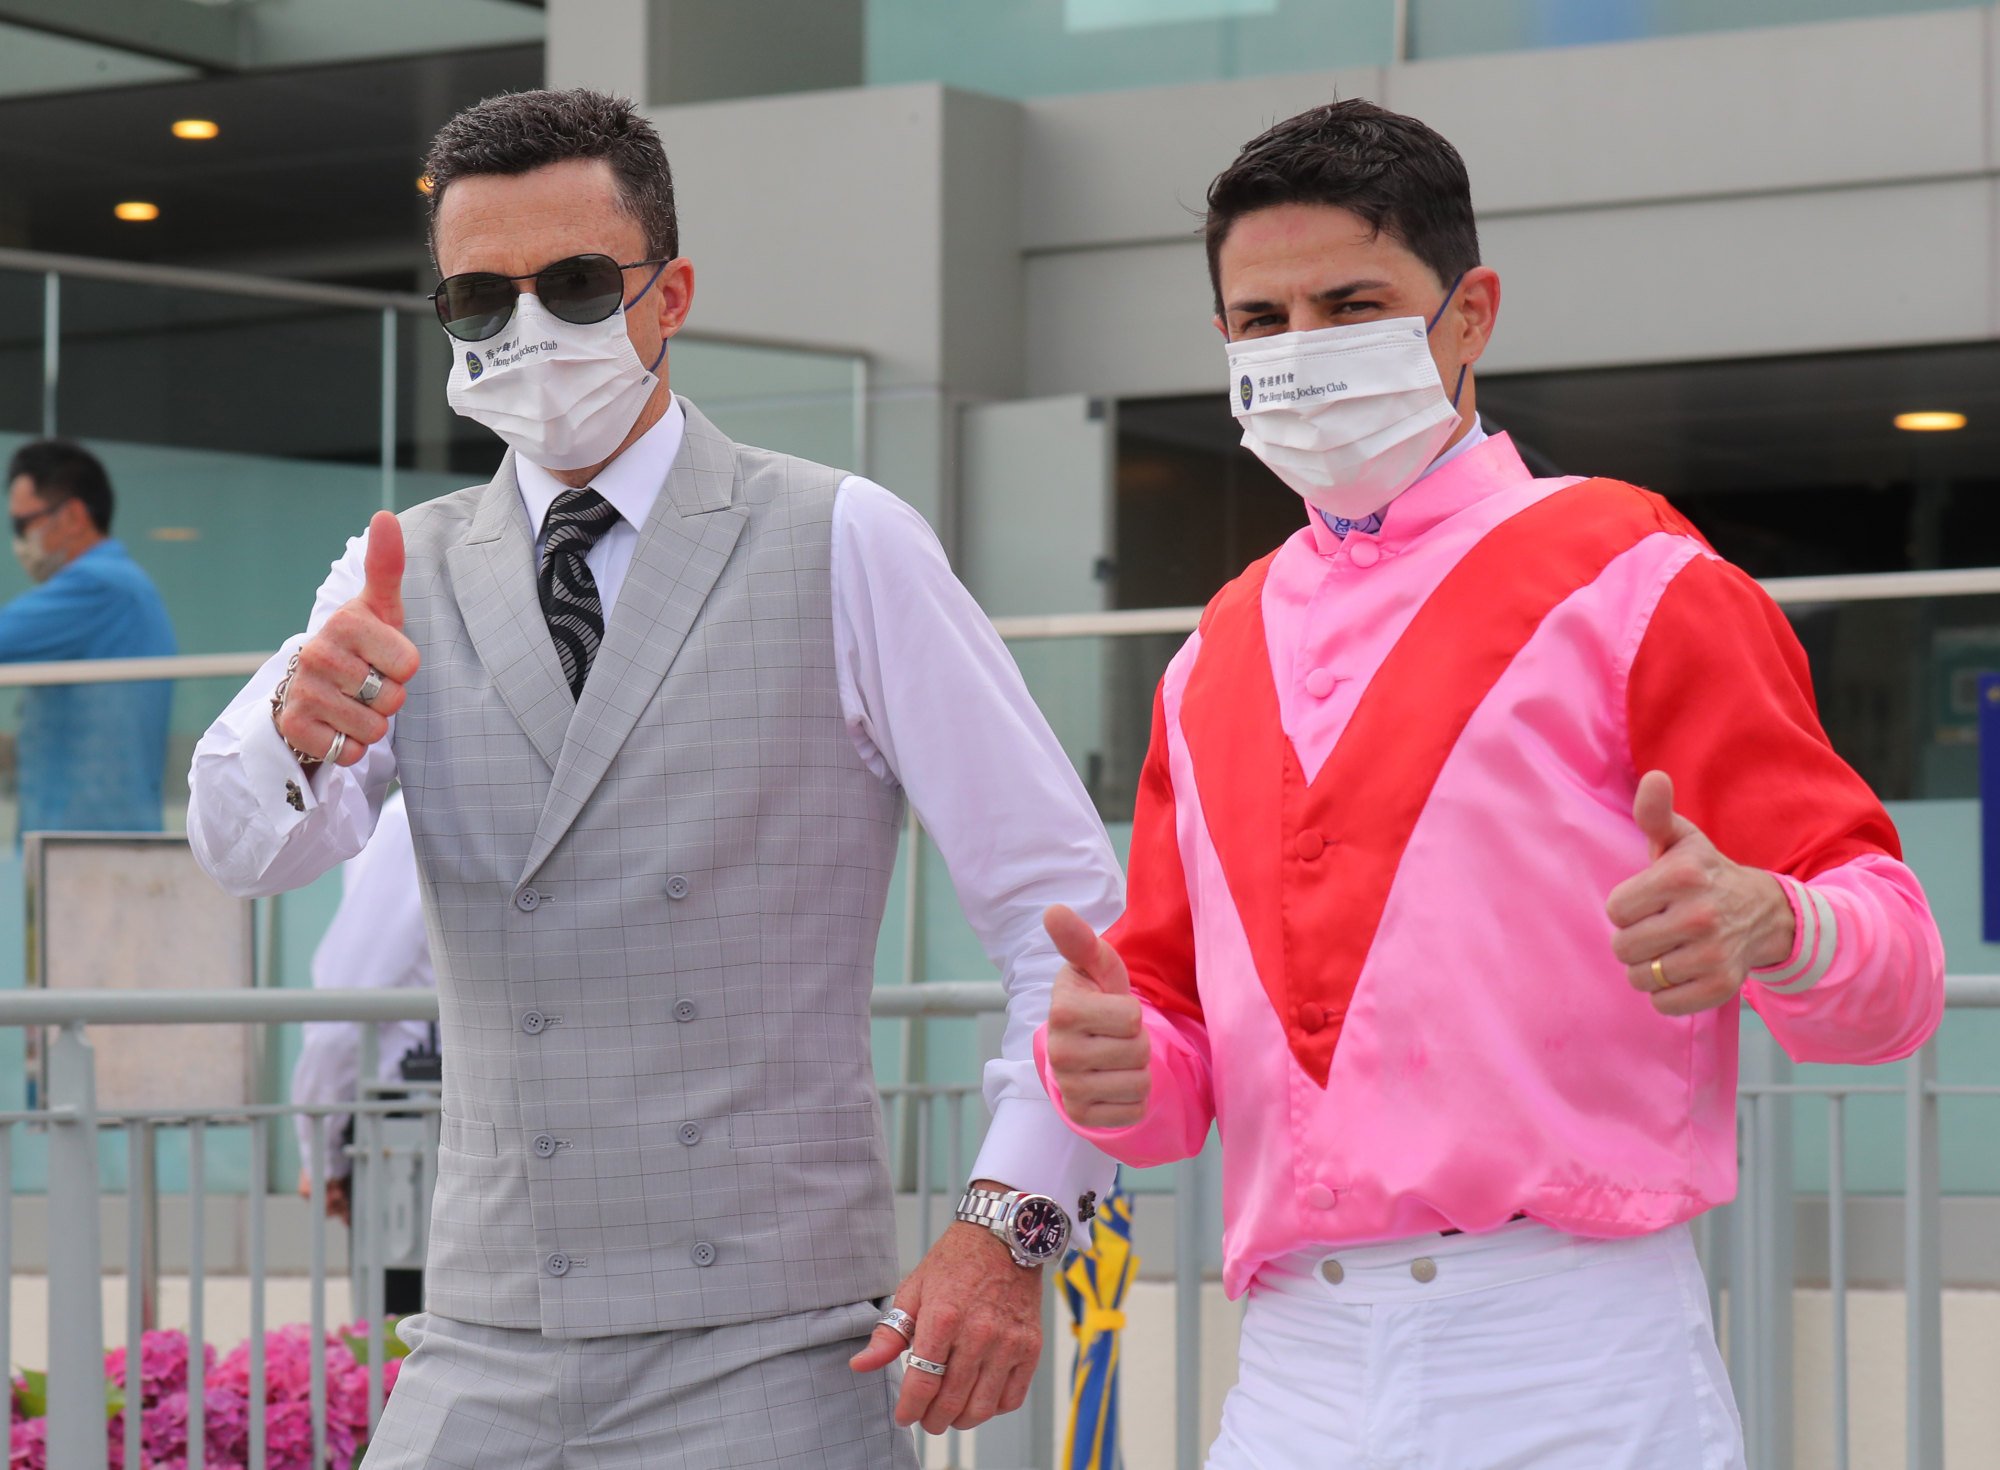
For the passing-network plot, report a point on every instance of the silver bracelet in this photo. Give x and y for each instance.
(306, 762)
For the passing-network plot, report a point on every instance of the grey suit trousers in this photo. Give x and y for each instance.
(774, 1393)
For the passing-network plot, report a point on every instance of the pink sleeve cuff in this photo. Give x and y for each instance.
(1816, 937)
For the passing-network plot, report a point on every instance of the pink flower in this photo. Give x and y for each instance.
(28, 1447)
(163, 1365)
(160, 1399)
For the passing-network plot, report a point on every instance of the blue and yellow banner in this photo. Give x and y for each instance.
(1095, 1282)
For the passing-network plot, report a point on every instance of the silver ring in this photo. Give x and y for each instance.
(370, 686)
(899, 1322)
(332, 756)
(925, 1365)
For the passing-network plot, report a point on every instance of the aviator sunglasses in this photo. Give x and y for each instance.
(582, 290)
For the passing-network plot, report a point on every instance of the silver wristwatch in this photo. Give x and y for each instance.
(1032, 1226)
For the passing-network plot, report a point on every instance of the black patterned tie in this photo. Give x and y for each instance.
(569, 591)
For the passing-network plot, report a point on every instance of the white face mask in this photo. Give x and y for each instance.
(1350, 416)
(564, 396)
(36, 559)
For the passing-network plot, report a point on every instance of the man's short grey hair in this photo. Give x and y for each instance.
(518, 132)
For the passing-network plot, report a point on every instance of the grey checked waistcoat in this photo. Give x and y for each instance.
(653, 913)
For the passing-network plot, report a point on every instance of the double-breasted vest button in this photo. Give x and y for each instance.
(534, 1022)
(1332, 1272)
(684, 1011)
(690, 1134)
(678, 887)
(703, 1253)
(545, 1145)
(557, 1264)
(1424, 1269)
(527, 900)
(1312, 1016)
(1309, 845)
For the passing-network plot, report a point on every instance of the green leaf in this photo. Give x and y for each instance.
(33, 1394)
(392, 1346)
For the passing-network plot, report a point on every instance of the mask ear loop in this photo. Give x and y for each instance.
(1431, 326)
(641, 297)
(663, 265)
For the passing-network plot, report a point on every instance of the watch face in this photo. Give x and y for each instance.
(1040, 1227)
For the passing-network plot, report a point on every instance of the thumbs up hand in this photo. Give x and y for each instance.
(1693, 924)
(1097, 1038)
(363, 638)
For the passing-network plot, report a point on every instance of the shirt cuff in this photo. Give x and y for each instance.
(1815, 939)
(1029, 1147)
(272, 774)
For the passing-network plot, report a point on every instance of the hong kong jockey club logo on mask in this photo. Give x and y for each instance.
(474, 367)
(1243, 390)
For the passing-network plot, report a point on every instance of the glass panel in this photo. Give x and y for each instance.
(1097, 694)
(1898, 683)
(21, 296)
(1031, 48)
(802, 403)
(1468, 27)
(1941, 844)
(1194, 507)
(236, 543)
(1791, 466)
(195, 369)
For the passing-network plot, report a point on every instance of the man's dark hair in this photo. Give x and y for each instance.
(518, 132)
(1395, 173)
(61, 471)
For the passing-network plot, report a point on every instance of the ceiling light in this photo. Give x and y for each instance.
(137, 210)
(195, 129)
(1930, 421)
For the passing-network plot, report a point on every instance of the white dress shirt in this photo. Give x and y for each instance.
(932, 700)
(375, 942)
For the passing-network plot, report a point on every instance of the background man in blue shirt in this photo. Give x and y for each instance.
(92, 756)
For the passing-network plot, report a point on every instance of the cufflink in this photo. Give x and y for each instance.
(1086, 1207)
(295, 796)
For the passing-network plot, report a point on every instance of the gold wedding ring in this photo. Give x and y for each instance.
(1660, 980)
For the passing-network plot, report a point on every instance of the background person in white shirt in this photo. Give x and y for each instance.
(375, 942)
(656, 1200)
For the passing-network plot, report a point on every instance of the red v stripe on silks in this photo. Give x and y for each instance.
(1311, 866)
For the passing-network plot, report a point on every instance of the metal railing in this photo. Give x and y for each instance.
(1126, 623)
(1748, 1251)
(1746, 1247)
(77, 1263)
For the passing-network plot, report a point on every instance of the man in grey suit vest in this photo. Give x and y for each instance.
(655, 699)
